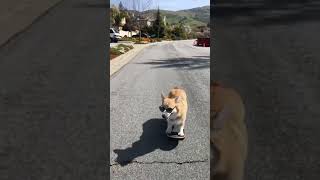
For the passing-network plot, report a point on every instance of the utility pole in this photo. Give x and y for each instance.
(139, 24)
(158, 14)
(159, 30)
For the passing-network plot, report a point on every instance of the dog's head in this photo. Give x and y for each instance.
(168, 107)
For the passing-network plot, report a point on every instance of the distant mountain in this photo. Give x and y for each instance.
(194, 17)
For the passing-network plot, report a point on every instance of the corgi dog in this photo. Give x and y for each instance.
(228, 133)
(174, 109)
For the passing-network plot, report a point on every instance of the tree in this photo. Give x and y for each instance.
(117, 14)
(147, 30)
(114, 15)
(121, 7)
(117, 20)
(138, 6)
(158, 26)
(130, 24)
(179, 32)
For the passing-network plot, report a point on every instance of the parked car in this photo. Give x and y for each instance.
(114, 35)
(143, 35)
(205, 42)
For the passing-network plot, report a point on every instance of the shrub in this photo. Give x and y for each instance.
(120, 49)
(126, 49)
(115, 51)
(121, 46)
(126, 39)
(141, 42)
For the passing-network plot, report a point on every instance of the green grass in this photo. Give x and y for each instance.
(115, 51)
(127, 39)
(118, 50)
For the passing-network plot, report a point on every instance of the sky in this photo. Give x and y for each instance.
(173, 5)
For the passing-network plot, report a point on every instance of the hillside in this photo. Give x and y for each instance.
(194, 17)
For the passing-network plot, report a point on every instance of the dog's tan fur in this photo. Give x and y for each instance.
(228, 135)
(177, 98)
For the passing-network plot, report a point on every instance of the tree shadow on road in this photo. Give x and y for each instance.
(196, 62)
(152, 138)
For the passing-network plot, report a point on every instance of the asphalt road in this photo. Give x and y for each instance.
(139, 146)
(52, 96)
(274, 64)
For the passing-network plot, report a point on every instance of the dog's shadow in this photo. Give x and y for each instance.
(152, 138)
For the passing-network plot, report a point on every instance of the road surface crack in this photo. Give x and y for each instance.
(159, 162)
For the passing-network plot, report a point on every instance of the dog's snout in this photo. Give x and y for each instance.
(163, 116)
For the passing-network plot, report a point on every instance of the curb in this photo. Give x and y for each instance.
(117, 63)
(16, 23)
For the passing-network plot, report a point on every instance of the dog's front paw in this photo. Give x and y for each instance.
(181, 133)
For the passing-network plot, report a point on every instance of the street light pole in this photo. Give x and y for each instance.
(139, 28)
(159, 28)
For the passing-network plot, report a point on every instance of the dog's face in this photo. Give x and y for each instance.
(168, 107)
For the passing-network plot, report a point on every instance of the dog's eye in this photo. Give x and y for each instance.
(169, 110)
(161, 108)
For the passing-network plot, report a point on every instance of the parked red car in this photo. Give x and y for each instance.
(202, 42)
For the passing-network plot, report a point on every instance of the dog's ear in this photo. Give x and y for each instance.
(178, 99)
(162, 96)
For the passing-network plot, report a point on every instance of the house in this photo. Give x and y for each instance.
(123, 21)
(128, 33)
(144, 22)
(152, 20)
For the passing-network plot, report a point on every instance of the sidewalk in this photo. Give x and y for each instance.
(121, 42)
(117, 63)
(17, 15)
